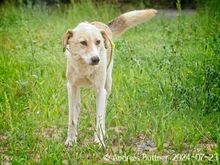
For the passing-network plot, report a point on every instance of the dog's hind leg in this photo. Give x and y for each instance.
(108, 83)
(74, 110)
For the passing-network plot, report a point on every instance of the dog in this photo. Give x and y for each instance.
(89, 51)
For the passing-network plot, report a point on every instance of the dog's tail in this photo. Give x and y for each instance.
(125, 21)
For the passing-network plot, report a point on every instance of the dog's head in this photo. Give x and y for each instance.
(85, 42)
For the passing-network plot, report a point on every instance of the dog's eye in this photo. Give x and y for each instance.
(97, 42)
(83, 43)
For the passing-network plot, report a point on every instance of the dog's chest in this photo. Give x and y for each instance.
(82, 76)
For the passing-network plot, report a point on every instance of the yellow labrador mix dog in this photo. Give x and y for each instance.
(89, 49)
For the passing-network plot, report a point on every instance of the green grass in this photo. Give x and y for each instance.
(165, 87)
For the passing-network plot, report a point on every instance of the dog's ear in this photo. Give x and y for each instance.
(106, 39)
(66, 37)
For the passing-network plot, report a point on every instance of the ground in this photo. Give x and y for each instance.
(164, 101)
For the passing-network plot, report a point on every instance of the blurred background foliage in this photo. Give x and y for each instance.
(120, 3)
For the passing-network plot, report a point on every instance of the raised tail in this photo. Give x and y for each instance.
(123, 22)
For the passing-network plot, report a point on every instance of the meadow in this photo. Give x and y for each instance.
(165, 99)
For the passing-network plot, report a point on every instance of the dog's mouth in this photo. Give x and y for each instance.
(94, 63)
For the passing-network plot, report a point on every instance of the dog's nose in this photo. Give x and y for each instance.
(95, 60)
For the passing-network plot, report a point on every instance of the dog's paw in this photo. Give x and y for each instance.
(69, 142)
(99, 141)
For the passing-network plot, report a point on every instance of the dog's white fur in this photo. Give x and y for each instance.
(88, 48)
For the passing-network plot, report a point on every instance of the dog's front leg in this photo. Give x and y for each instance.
(100, 115)
(74, 110)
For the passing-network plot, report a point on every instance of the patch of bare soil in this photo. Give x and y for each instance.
(3, 148)
(142, 145)
(4, 158)
(52, 133)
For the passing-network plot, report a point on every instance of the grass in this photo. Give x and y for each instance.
(165, 88)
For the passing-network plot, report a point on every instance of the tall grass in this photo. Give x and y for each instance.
(165, 86)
